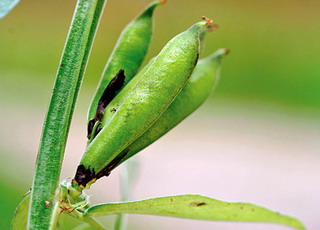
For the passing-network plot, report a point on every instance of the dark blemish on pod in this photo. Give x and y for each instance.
(197, 204)
(98, 129)
(112, 165)
(109, 93)
(90, 127)
(171, 200)
(115, 162)
(84, 176)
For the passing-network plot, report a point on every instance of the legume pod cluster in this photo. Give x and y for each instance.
(202, 82)
(127, 115)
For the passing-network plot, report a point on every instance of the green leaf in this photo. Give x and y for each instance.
(19, 221)
(6, 6)
(196, 207)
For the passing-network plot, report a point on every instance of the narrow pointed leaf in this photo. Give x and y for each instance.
(196, 207)
(19, 221)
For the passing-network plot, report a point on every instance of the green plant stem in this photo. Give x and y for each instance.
(128, 176)
(95, 22)
(56, 126)
(55, 217)
(121, 220)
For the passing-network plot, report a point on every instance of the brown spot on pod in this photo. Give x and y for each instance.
(197, 204)
(84, 176)
(109, 93)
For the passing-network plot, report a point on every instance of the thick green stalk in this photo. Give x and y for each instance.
(98, 12)
(57, 122)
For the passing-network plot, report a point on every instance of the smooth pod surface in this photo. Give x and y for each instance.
(143, 105)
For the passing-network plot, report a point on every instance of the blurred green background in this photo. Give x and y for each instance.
(270, 79)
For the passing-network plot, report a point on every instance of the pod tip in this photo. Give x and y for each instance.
(221, 52)
(162, 2)
(226, 51)
(218, 55)
(154, 4)
(209, 21)
(159, 2)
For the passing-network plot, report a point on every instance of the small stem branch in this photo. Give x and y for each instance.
(121, 220)
(55, 216)
(127, 178)
(56, 127)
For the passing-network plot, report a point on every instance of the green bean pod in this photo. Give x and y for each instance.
(114, 104)
(202, 82)
(127, 57)
(143, 105)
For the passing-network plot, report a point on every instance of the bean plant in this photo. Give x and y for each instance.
(129, 111)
